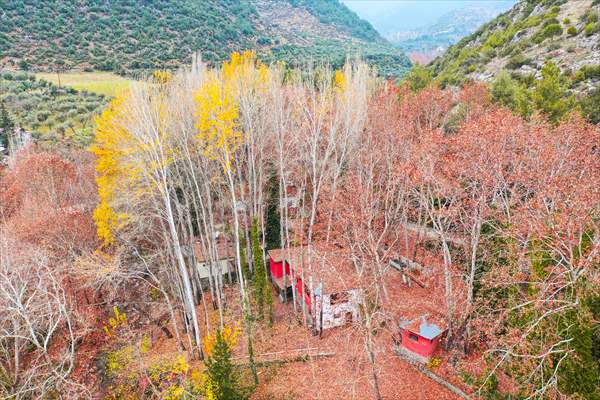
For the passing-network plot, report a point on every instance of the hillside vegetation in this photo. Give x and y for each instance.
(522, 39)
(51, 113)
(124, 36)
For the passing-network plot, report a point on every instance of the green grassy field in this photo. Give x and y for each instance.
(96, 82)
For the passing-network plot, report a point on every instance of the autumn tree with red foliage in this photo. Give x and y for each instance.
(45, 224)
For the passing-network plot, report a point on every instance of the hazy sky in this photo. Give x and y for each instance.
(400, 15)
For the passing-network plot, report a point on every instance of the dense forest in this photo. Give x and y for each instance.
(334, 226)
(496, 214)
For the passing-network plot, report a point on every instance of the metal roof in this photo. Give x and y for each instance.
(429, 331)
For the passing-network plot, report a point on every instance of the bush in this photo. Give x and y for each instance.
(590, 29)
(506, 92)
(566, 21)
(590, 106)
(550, 96)
(572, 31)
(587, 72)
(418, 78)
(550, 21)
(517, 61)
(554, 46)
(553, 30)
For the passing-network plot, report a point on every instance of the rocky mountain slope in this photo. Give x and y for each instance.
(125, 35)
(522, 39)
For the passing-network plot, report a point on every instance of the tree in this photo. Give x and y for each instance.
(263, 291)
(221, 382)
(273, 224)
(549, 94)
(506, 92)
(6, 126)
(419, 77)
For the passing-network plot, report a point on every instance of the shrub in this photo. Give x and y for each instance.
(587, 72)
(566, 21)
(42, 115)
(508, 93)
(590, 29)
(572, 31)
(553, 30)
(418, 78)
(590, 106)
(554, 46)
(517, 61)
(549, 95)
(550, 21)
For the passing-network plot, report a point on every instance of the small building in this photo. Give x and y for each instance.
(280, 272)
(336, 298)
(421, 336)
(220, 264)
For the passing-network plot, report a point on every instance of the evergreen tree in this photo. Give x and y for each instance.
(273, 223)
(7, 126)
(418, 78)
(508, 93)
(221, 381)
(549, 95)
(259, 267)
(243, 258)
(578, 373)
(261, 282)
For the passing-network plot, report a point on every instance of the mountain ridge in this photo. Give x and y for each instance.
(522, 39)
(129, 35)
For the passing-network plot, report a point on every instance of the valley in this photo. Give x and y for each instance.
(268, 200)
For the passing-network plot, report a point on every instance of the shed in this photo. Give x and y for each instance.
(219, 264)
(280, 272)
(421, 336)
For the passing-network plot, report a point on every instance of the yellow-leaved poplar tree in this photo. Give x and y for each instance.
(217, 120)
(110, 148)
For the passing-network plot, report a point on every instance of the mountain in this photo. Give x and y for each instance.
(524, 38)
(126, 35)
(435, 38)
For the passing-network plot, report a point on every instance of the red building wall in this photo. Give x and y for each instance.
(277, 268)
(421, 346)
(300, 291)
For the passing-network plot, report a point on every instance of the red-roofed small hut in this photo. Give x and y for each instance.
(277, 266)
(421, 336)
